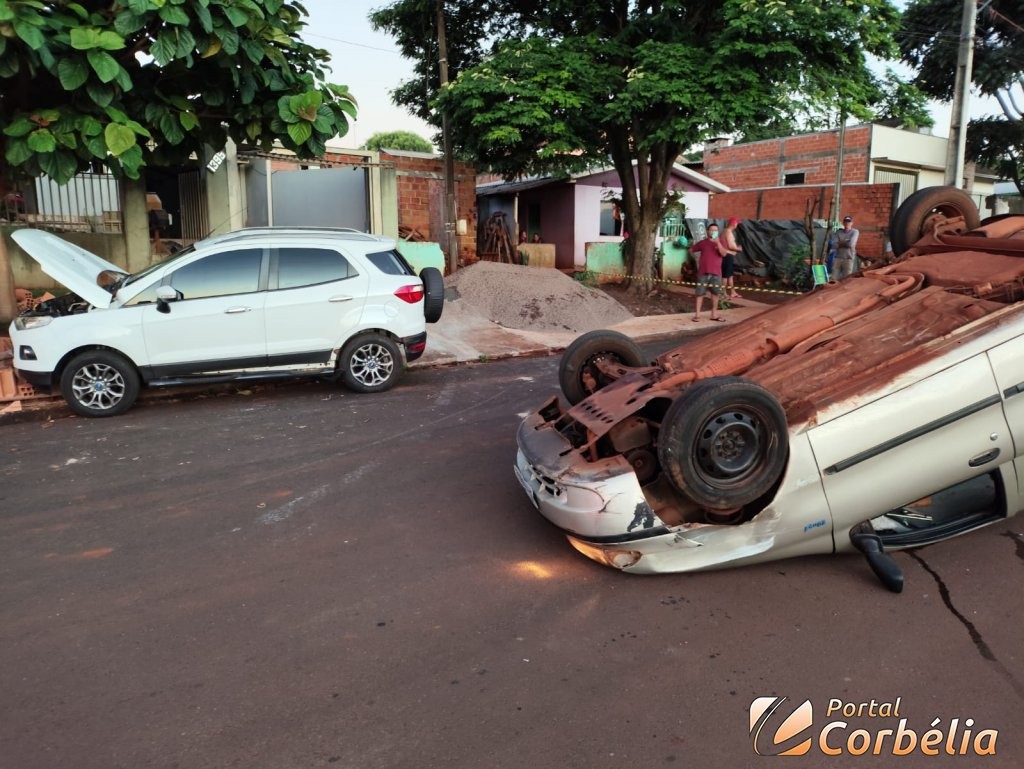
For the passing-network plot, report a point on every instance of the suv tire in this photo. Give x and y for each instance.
(370, 363)
(99, 383)
(433, 294)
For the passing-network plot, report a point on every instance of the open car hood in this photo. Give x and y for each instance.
(70, 265)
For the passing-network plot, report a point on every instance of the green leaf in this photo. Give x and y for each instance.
(203, 15)
(31, 35)
(127, 23)
(100, 93)
(236, 16)
(119, 138)
(41, 140)
(96, 145)
(88, 38)
(165, 47)
(90, 126)
(173, 14)
(72, 72)
(188, 120)
(299, 132)
(131, 162)
(171, 128)
(78, 10)
(6, 12)
(20, 126)
(186, 43)
(18, 152)
(103, 64)
(59, 166)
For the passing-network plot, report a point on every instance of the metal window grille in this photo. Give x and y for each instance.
(90, 202)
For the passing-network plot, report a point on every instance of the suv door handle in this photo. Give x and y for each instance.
(235, 310)
(340, 299)
(983, 459)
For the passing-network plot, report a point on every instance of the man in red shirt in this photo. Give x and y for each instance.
(709, 271)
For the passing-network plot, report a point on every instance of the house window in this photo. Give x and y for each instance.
(794, 178)
(611, 219)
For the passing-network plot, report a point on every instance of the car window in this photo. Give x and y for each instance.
(220, 274)
(305, 266)
(390, 262)
(147, 296)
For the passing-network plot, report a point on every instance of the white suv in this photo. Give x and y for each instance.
(256, 303)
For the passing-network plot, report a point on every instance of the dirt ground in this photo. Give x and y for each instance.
(662, 301)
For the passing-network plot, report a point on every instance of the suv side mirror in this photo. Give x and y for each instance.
(164, 296)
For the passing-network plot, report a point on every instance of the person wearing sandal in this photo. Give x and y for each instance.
(728, 264)
(709, 253)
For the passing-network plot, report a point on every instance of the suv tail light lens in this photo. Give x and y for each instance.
(410, 294)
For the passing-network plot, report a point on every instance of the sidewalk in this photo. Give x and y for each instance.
(459, 337)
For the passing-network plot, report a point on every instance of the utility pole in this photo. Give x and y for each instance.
(451, 238)
(837, 189)
(959, 118)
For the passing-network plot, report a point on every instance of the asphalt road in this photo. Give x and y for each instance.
(302, 577)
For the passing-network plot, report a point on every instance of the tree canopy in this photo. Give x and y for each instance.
(929, 42)
(139, 82)
(398, 140)
(550, 87)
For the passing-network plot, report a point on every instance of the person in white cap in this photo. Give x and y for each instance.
(846, 250)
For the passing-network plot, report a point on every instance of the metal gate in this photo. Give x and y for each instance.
(906, 179)
(321, 197)
(195, 222)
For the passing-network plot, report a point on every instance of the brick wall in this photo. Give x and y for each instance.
(870, 205)
(766, 163)
(421, 198)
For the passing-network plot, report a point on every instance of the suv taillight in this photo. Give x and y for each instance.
(410, 294)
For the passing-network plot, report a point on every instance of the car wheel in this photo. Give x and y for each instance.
(724, 442)
(433, 290)
(370, 363)
(577, 374)
(99, 384)
(908, 223)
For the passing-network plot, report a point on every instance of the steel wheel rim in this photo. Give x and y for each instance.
(98, 386)
(372, 364)
(729, 445)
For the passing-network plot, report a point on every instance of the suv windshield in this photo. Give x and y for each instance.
(143, 273)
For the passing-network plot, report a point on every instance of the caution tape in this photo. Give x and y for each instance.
(645, 279)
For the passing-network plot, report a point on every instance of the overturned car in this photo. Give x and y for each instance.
(875, 414)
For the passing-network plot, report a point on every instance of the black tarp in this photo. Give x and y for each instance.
(768, 245)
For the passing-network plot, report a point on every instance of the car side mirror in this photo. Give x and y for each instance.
(164, 296)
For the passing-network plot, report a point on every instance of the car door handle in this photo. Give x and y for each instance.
(235, 310)
(983, 459)
(340, 299)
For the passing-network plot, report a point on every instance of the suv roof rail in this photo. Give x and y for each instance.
(345, 233)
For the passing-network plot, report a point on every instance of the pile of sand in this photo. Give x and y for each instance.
(534, 298)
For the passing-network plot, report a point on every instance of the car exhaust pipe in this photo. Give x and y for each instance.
(885, 568)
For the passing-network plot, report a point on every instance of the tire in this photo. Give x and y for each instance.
(433, 294)
(909, 221)
(724, 442)
(579, 357)
(99, 383)
(370, 363)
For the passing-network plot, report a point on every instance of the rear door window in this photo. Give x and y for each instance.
(309, 266)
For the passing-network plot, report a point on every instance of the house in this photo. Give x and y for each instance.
(137, 223)
(572, 212)
(793, 176)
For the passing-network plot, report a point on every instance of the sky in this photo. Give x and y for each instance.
(370, 64)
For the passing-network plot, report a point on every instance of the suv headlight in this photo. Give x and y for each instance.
(23, 322)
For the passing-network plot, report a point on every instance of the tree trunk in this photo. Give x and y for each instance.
(643, 270)
(8, 305)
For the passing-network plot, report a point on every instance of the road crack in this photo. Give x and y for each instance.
(983, 648)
